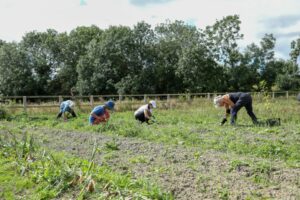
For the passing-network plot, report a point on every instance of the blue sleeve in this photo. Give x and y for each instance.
(65, 106)
(99, 110)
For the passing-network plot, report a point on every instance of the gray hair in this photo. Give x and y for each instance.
(217, 101)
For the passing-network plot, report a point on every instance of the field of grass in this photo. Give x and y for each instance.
(186, 153)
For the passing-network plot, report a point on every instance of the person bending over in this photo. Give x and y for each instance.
(233, 102)
(66, 107)
(100, 113)
(144, 113)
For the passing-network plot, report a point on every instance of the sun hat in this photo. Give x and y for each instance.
(153, 103)
(110, 104)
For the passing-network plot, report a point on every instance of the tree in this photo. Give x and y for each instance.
(106, 61)
(15, 73)
(198, 71)
(42, 52)
(221, 39)
(172, 39)
(295, 50)
(73, 47)
(257, 64)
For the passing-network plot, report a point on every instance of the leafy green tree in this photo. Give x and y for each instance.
(221, 39)
(295, 50)
(289, 79)
(15, 73)
(106, 61)
(42, 52)
(257, 64)
(2, 42)
(141, 77)
(199, 72)
(172, 38)
(73, 46)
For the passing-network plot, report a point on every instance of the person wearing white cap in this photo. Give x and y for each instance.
(144, 113)
(66, 106)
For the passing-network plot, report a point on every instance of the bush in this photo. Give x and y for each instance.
(3, 114)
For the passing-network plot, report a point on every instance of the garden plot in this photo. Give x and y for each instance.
(186, 153)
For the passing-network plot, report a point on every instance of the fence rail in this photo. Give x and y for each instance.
(26, 102)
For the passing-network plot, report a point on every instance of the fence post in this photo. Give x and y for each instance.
(60, 99)
(168, 101)
(92, 100)
(120, 97)
(25, 104)
(287, 94)
(145, 98)
(273, 95)
(189, 98)
(208, 96)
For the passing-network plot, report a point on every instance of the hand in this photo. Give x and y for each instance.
(223, 121)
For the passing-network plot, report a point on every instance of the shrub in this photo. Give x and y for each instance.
(3, 113)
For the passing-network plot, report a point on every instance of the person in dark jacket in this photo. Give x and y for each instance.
(233, 102)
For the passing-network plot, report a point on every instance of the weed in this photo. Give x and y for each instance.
(112, 145)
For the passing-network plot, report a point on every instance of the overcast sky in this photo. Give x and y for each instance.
(280, 17)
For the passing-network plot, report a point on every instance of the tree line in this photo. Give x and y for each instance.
(172, 57)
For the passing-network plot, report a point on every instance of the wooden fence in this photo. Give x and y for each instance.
(26, 102)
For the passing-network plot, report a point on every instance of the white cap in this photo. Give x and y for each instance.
(153, 103)
(217, 101)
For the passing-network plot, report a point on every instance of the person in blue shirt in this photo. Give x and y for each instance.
(66, 106)
(100, 113)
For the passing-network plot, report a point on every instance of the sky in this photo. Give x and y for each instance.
(259, 17)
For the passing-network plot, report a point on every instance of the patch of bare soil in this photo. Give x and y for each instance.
(189, 173)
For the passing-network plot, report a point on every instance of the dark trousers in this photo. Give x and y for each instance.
(245, 100)
(71, 111)
(141, 117)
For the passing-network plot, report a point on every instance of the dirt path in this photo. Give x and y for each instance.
(186, 172)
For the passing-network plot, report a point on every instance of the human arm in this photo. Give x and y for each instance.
(103, 118)
(99, 118)
(147, 114)
(227, 113)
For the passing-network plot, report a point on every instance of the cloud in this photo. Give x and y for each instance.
(283, 48)
(281, 21)
(288, 35)
(147, 2)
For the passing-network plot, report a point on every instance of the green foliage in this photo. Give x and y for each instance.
(34, 173)
(295, 52)
(16, 76)
(171, 57)
(112, 145)
(3, 113)
(193, 126)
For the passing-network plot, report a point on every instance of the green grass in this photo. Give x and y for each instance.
(254, 149)
(197, 125)
(29, 172)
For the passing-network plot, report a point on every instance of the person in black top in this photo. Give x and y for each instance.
(233, 102)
